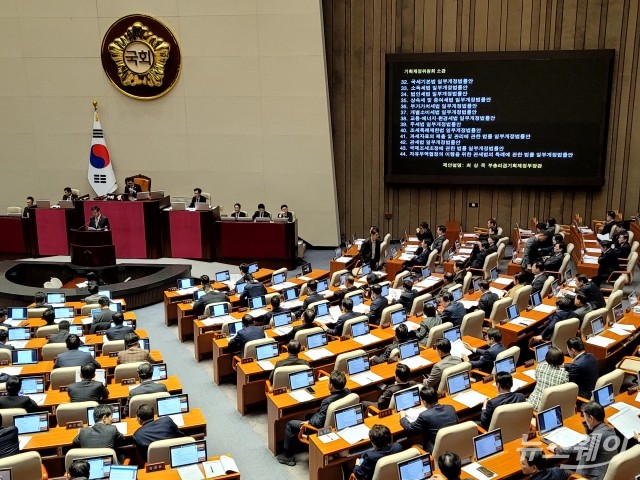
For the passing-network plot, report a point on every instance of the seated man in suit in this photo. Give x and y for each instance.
(532, 249)
(285, 213)
(590, 291)
(4, 336)
(487, 299)
(450, 466)
(132, 351)
(68, 194)
(293, 349)
(3, 315)
(583, 370)
(478, 261)
(402, 335)
(74, 357)
(87, 388)
(93, 296)
(312, 296)
(102, 320)
(452, 311)
(197, 198)
(131, 188)
(237, 212)
(261, 212)
(533, 462)
(582, 307)
(336, 329)
(563, 312)
(49, 316)
(539, 277)
(488, 355)
(402, 381)
(337, 384)
(504, 383)
(210, 296)
(421, 256)
(31, 203)
(9, 443)
(554, 262)
(380, 437)
(459, 272)
(440, 238)
(424, 233)
(370, 249)
(275, 302)
(431, 420)
(119, 330)
(13, 399)
(430, 319)
(63, 333)
(152, 430)
(408, 294)
(145, 372)
(253, 288)
(97, 220)
(448, 283)
(605, 231)
(249, 332)
(623, 250)
(378, 304)
(443, 349)
(308, 321)
(607, 263)
(102, 434)
(40, 301)
(349, 286)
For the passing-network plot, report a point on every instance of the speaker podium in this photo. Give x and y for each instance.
(92, 248)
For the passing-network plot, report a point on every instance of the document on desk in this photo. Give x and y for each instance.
(186, 291)
(16, 323)
(470, 398)
(467, 304)
(545, 308)
(18, 343)
(282, 286)
(367, 339)
(517, 384)
(523, 322)
(590, 260)
(565, 437)
(23, 440)
(258, 312)
(593, 250)
(412, 413)
(282, 330)
(458, 349)
(265, 365)
(619, 331)
(318, 353)
(459, 258)
(226, 465)
(365, 378)
(39, 398)
(411, 248)
(498, 292)
(327, 293)
(353, 435)
(625, 406)
(190, 472)
(502, 281)
(362, 308)
(405, 256)
(343, 259)
(394, 294)
(329, 437)
(178, 419)
(335, 312)
(474, 470)
(291, 304)
(301, 395)
(530, 373)
(121, 427)
(416, 362)
(13, 371)
(600, 341)
(86, 320)
(465, 251)
(305, 279)
(626, 422)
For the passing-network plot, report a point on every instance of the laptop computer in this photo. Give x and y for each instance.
(31, 423)
(63, 313)
(507, 364)
(75, 330)
(416, 468)
(302, 379)
(240, 286)
(457, 293)
(145, 344)
(282, 323)
(185, 283)
(569, 277)
(159, 371)
(105, 293)
(317, 340)
(385, 289)
(618, 312)
(604, 395)
(188, 454)
(535, 299)
(123, 472)
(257, 302)
(65, 204)
(99, 467)
(24, 356)
(56, 299)
(425, 272)
(322, 286)
(410, 355)
(19, 333)
(115, 416)
(143, 195)
(350, 416)
(172, 405)
(5, 474)
(198, 294)
(552, 430)
(458, 383)
(398, 317)
(540, 351)
(219, 310)
(17, 313)
(156, 194)
(337, 253)
(360, 328)
(452, 334)
(597, 325)
(357, 299)
(359, 370)
(322, 310)
(253, 267)
(178, 206)
(476, 284)
(32, 385)
(488, 444)
(91, 349)
(290, 294)
(365, 269)
(343, 278)
(306, 268)
(555, 288)
(234, 328)
(202, 206)
(278, 278)
(223, 276)
(407, 398)
(43, 203)
(265, 352)
(494, 273)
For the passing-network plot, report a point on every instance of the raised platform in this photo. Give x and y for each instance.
(144, 285)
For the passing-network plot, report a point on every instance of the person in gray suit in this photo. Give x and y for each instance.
(102, 434)
(87, 388)
(119, 330)
(102, 320)
(539, 276)
(594, 453)
(74, 357)
(582, 306)
(443, 349)
(63, 333)
(145, 372)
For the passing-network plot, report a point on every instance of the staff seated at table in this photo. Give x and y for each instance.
(504, 383)
(131, 188)
(237, 212)
(133, 352)
(349, 286)
(248, 332)
(440, 238)
(449, 283)
(430, 319)
(102, 434)
(378, 304)
(590, 290)
(197, 197)
(87, 388)
(336, 328)
(293, 349)
(145, 373)
(13, 399)
(477, 261)
(103, 319)
(539, 276)
(3, 315)
(487, 355)
(520, 281)
(261, 212)
(623, 249)
(68, 194)
(583, 369)
(74, 357)
(40, 300)
(312, 295)
(382, 441)
(285, 213)
(119, 330)
(607, 263)
(211, 295)
(459, 272)
(443, 350)
(163, 428)
(553, 262)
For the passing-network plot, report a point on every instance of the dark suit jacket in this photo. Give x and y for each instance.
(583, 371)
(593, 294)
(502, 399)
(459, 277)
(375, 312)
(103, 222)
(607, 263)
(9, 444)
(486, 302)
(161, 429)
(239, 214)
(290, 361)
(406, 299)
(314, 297)
(7, 346)
(370, 253)
(289, 216)
(74, 358)
(105, 316)
(133, 191)
(538, 282)
(60, 337)
(291, 335)
(253, 289)
(487, 357)
(385, 399)
(437, 243)
(558, 316)
(147, 386)
(554, 473)
(209, 297)
(99, 436)
(624, 250)
(428, 234)
(554, 262)
(256, 214)
(429, 422)
(18, 401)
(73, 196)
(531, 251)
(237, 343)
(118, 332)
(478, 262)
(318, 418)
(365, 470)
(195, 200)
(337, 330)
(454, 313)
(86, 390)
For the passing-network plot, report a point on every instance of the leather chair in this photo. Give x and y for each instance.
(436, 333)
(472, 324)
(277, 272)
(456, 438)
(46, 330)
(281, 376)
(160, 450)
(417, 307)
(563, 331)
(564, 395)
(8, 414)
(14, 211)
(397, 282)
(385, 317)
(513, 419)
(73, 412)
(112, 346)
(148, 398)
(585, 329)
(521, 298)
(35, 312)
(546, 288)
(346, 401)
(143, 181)
(511, 351)
(85, 311)
(301, 335)
(466, 282)
(387, 467)
(127, 370)
(63, 376)
(51, 350)
(76, 453)
(499, 311)
(24, 466)
(625, 465)
(335, 277)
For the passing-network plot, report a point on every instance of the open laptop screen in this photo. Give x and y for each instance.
(356, 299)
(159, 371)
(115, 307)
(219, 310)
(278, 278)
(452, 334)
(19, 333)
(99, 467)
(541, 351)
(317, 340)
(349, 417)
(494, 273)
(282, 319)
(506, 364)
(257, 302)
(31, 423)
(408, 398)
(290, 294)
(188, 454)
(265, 352)
(322, 309)
(513, 312)
(323, 285)
(337, 252)
(55, 298)
(223, 276)
(91, 349)
(306, 268)
(173, 404)
(604, 395)
(409, 349)
(184, 283)
(426, 272)
(235, 327)
(597, 325)
(488, 444)
(618, 312)
(17, 313)
(75, 330)
(303, 379)
(63, 312)
(416, 468)
(398, 317)
(535, 299)
(5, 474)
(253, 267)
(366, 269)
(115, 416)
(549, 419)
(105, 293)
(458, 383)
(24, 356)
(360, 328)
(123, 472)
(358, 364)
(32, 385)
(456, 293)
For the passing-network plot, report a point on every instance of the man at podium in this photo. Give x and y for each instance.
(97, 220)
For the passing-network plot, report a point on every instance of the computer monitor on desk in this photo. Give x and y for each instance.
(415, 468)
(172, 405)
(253, 267)
(188, 454)
(488, 444)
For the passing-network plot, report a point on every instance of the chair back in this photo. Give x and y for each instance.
(160, 450)
(417, 307)
(466, 282)
(75, 191)
(63, 376)
(585, 329)
(127, 370)
(148, 398)
(225, 326)
(513, 419)
(564, 395)
(570, 247)
(51, 350)
(489, 263)
(346, 329)
(56, 282)
(46, 330)
(387, 466)
(352, 293)
(250, 347)
(456, 438)
(385, 317)
(112, 346)
(563, 331)
(35, 312)
(301, 335)
(14, 211)
(614, 377)
(281, 375)
(73, 412)
(341, 359)
(228, 304)
(387, 238)
(447, 372)
(500, 251)
(500, 230)
(472, 324)
(85, 311)
(384, 251)
(631, 265)
(521, 297)
(8, 414)
(619, 284)
(544, 291)
(515, 351)
(24, 466)
(76, 453)
(624, 466)
(499, 310)
(397, 282)
(5, 354)
(277, 272)
(143, 181)
(346, 401)
(335, 277)
(436, 333)
(445, 247)
(431, 260)
(267, 298)
(565, 263)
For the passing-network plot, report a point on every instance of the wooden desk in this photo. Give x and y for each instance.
(189, 234)
(14, 241)
(353, 253)
(513, 334)
(171, 474)
(608, 356)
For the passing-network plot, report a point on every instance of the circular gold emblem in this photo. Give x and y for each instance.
(141, 57)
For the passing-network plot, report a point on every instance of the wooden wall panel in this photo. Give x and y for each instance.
(360, 33)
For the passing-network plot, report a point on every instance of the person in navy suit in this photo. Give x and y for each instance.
(420, 257)
(431, 420)
(488, 355)
(378, 303)
(453, 311)
(408, 294)
(607, 263)
(583, 370)
(336, 329)
(132, 189)
(252, 289)
(249, 332)
(590, 290)
(197, 197)
(97, 220)
(563, 312)
(539, 276)
(370, 248)
(381, 439)
(504, 383)
(151, 430)
(119, 330)
(312, 296)
(534, 462)
(74, 357)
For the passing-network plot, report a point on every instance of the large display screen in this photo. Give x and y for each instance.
(518, 118)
